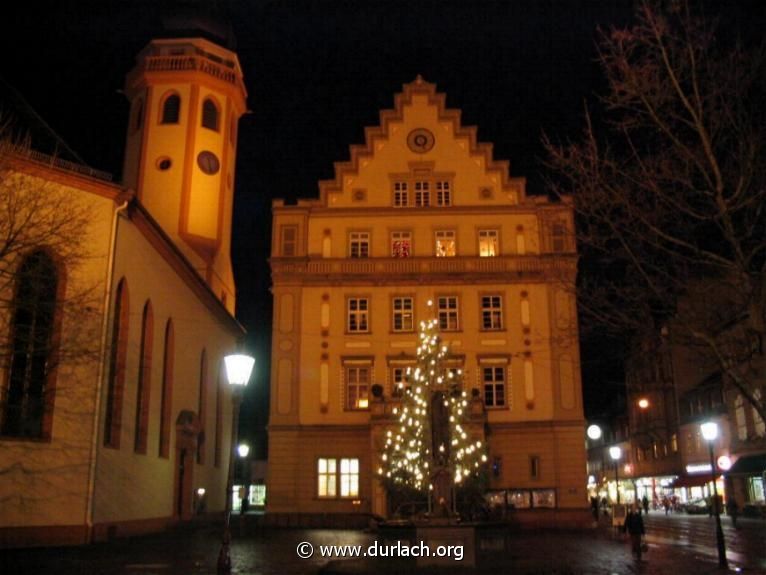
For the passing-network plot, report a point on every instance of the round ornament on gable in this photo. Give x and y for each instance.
(420, 140)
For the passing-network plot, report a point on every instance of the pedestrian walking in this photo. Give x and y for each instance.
(634, 526)
(594, 508)
(645, 502)
(732, 509)
(666, 504)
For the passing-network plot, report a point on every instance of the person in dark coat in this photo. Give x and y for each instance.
(634, 526)
(645, 503)
(732, 509)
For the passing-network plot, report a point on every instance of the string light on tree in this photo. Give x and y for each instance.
(432, 431)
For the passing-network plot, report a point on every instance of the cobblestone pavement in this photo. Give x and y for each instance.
(273, 552)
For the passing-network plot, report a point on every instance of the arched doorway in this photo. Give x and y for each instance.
(187, 434)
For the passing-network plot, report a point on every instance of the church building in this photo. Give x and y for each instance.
(115, 411)
(423, 223)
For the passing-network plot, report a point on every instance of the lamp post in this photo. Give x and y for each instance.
(710, 433)
(615, 452)
(238, 370)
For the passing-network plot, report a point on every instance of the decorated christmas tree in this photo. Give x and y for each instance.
(429, 448)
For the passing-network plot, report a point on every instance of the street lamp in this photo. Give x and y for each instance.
(594, 432)
(643, 403)
(243, 449)
(710, 433)
(615, 453)
(238, 370)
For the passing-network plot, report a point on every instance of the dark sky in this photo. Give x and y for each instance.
(318, 73)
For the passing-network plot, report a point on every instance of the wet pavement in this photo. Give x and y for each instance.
(191, 551)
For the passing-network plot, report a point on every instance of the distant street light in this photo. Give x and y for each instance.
(710, 433)
(615, 453)
(643, 403)
(594, 431)
(239, 367)
(243, 450)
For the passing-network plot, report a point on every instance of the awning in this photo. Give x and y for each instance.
(749, 465)
(691, 481)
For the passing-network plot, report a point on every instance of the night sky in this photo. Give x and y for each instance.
(317, 73)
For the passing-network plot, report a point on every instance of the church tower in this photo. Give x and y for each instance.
(186, 96)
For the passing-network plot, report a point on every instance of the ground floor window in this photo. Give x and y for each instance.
(331, 483)
(755, 489)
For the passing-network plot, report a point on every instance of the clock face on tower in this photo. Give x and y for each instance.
(420, 140)
(208, 162)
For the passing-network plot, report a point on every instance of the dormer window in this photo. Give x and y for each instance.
(421, 188)
(210, 115)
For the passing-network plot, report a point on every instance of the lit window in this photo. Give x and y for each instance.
(357, 387)
(403, 318)
(327, 477)
(349, 477)
(494, 386)
(491, 312)
(488, 243)
(674, 443)
(401, 195)
(288, 240)
(443, 193)
(359, 245)
(401, 244)
(445, 244)
(422, 194)
(27, 409)
(210, 115)
(447, 312)
(171, 109)
(358, 315)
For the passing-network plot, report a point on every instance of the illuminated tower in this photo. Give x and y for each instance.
(186, 97)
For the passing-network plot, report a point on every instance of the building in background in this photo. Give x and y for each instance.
(130, 430)
(422, 213)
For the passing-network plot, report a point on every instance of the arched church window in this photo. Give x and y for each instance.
(171, 109)
(209, 115)
(28, 406)
(117, 358)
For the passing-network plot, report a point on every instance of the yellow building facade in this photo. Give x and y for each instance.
(131, 430)
(422, 213)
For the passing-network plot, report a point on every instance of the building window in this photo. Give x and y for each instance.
(349, 478)
(358, 315)
(422, 194)
(739, 415)
(674, 443)
(331, 484)
(138, 115)
(117, 356)
(166, 402)
(760, 428)
(403, 314)
(447, 312)
(288, 241)
(357, 387)
(143, 392)
(491, 312)
(494, 386)
(445, 244)
(488, 243)
(398, 381)
(401, 244)
(359, 245)
(534, 467)
(218, 417)
(443, 193)
(28, 407)
(209, 115)
(202, 406)
(327, 477)
(171, 109)
(401, 195)
(558, 237)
